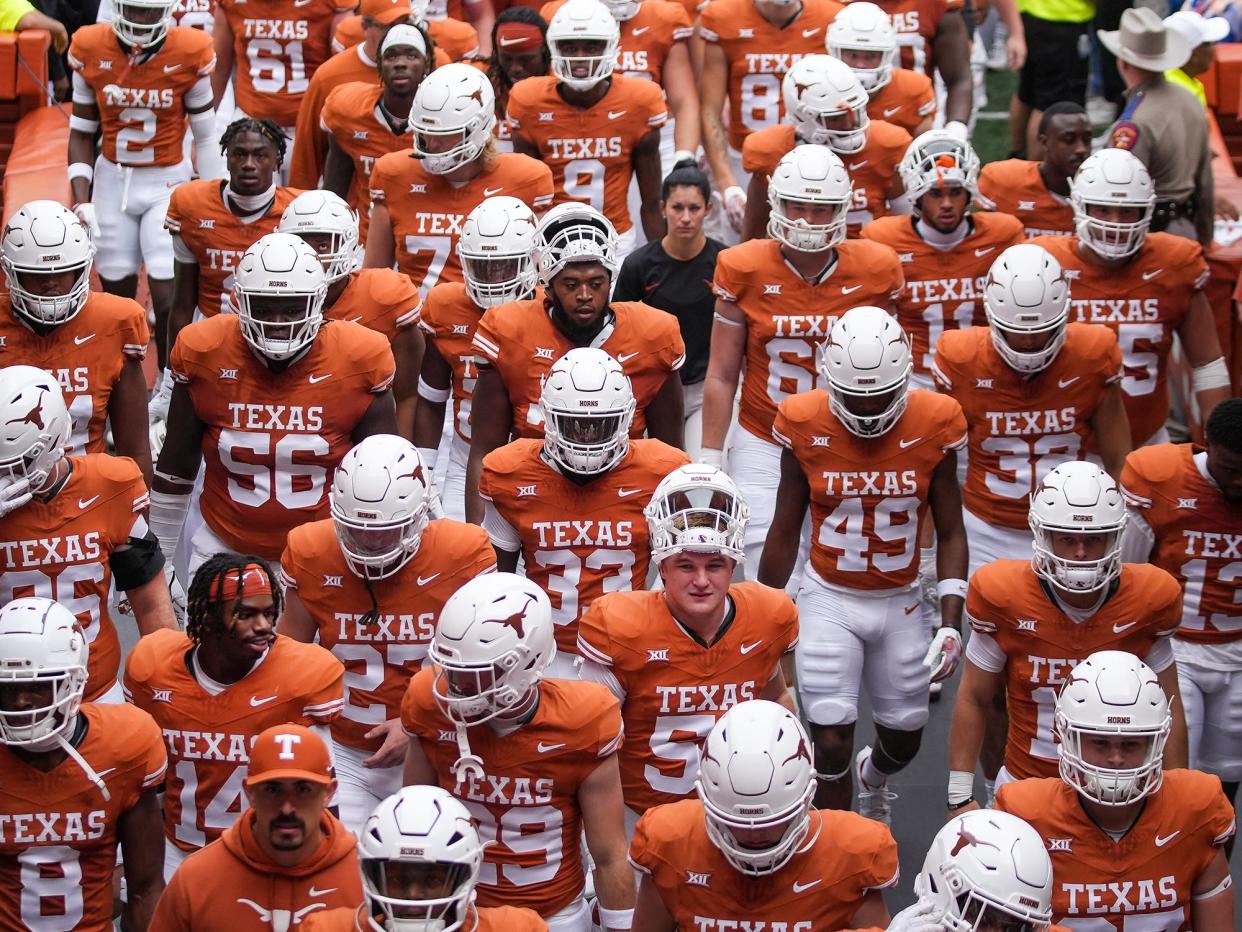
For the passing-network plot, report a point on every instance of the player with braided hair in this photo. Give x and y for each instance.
(519, 50)
(215, 686)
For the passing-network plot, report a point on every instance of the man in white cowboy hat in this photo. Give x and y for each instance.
(1202, 33)
(1163, 124)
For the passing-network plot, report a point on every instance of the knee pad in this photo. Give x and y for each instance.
(901, 717)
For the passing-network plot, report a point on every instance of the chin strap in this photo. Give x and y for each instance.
(467, 763)
(86, 767)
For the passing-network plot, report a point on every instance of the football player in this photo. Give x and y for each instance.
(368, 583)
(271, 58)
(585, 464)
(421, 857)
(91, 771)
(497, 264)
(826, 105)
(748, 45)
(751, 850)
(932, 38)
(382, 299)
(723, 643)
(594, 129)
(1038, 193)
(520, 50)
(141, 80)
(92, 343)
(945, 250)
(1145, 286)
(72, 528)
(1033, 620)
(420, 197)
(517, 345)
(1037, 391)
(285, 857)
(363, 121)
(271, 398)
(863, 37)
(1133, 843)
(193, 683)
(1185, 507)
(534, 759)
(871, 459)
(777, 332)
(455, 39)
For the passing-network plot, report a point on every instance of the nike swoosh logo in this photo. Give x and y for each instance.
(316, 379)
(1066, 383)
(78, 341)
(1148, 276)
(84, 503)
(615, 114)
(424, 580)
(324, 892)
(747, 648)
(639, 30)
(301, 3)
(908, 443)
(169, 69)
(626, 493)
(492, 192)
(807, 33)
(799, 887)
(889, 111)
(980, 253)
(505, 43)
(353, 320)
(1117, 629)
(103, 773)
(545, 748)
(854, 166)
(1161, 841)
(849, 289)
(255, 701)
(626, 357)
(910, 609)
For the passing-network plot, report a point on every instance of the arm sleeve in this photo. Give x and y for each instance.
(502, 534)
(1160, 656)
(985, 653)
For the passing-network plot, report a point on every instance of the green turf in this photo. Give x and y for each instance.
(991, 137)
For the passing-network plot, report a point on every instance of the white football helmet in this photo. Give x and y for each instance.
(864, 27)
(41, 643)
(1115, 695)
(623, 10)
(133, 25)
(574, 232)
(420, 826)
(35, 425)
(380, 499)
(866, 360)
(283, 273)
(455, 103)
(938, 159)
(988, 869)
(325, 213)
(46, 238)
(588, 405)
(821, 92)
(756, 776)
(494, 639)
(583, 21)
(496, 245)
(1112, 177)
(815, 176)
(1080, 498)
(1027, 294)
(697, 508)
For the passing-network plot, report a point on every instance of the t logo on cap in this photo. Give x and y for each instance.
(289, 752)
(287, 743)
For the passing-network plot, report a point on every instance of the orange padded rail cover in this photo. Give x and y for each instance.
(38, 164)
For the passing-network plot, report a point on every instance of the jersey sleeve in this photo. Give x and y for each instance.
(1221, 819)
(954, 431)
(518, 110)
(135, 334)
(380, 363)
(486, 340)
(594, 642)
(653, 104)
(609, 730)
(176, 215)
(981, 613)
(323, 678)
(882, 870)
(782, 426)
(727, 283)
(643, 856)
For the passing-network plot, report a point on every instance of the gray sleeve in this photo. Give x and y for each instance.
(1205, 188)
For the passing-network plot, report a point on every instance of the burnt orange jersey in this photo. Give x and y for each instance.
(272, 439)
(820, 888)
(906, 100)
(1144, 303)
(869, 495)
(142, 106)
(759, 54)
(380, 656)
(58, 834)
(1015, 187)
(521, 341)
(526, 801)
(1042, 644)
(62, 549)
(1196, 532)
(277, 45)
(496, 919)
(195, 14)
(1145, 879)
(310, 145)
(579, 540)
(449, 320)
(784, 327)
(427, 212)
(1021, 428)
(646, 37)
(86, 355)
(454, 39)
(382, 300)
(872, 170)
(217, 237)
(676, 689)
(590, 150)
(209, 737)
(944, 289)
(916, 23)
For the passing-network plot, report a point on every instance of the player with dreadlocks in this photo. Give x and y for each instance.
(519, 50)
(212, 222)
(216, 686)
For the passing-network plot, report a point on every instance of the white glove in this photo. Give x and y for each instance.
(176, 592)
(923, 916)
(710, 457)
(958, 129)
(157, 407)
(86, 213)
(735, 206)
(944, 654)
(13, 494)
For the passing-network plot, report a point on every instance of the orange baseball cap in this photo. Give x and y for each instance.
(385, 11)
(289, 752)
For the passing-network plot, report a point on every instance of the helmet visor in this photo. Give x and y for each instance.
(980, 915)
(419, 891)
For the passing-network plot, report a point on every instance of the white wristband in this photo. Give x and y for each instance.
(433, 394)
(83, 125)
(947, 587)
(682, 155)
(429, 456)
(1214, 374)
(961, 787)
(616, 918)
(711, 457)
(81, 170)
(729, 191)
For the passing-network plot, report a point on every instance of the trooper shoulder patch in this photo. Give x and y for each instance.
(1125, 135)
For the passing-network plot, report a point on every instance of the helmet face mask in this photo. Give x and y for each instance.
(862, 36)
(279, 287)
(573, 233)
(697, 509)
(1026, 300)
(1113, 199)
(496, 245)
(47, 257)
(419, 895)
(588, 406)
(865, 364)
(451, 118)
(809, 196)
(938, 159)
(1077, 517)
(328, 226)
(141, 24)
(43, 654)
(583, 40)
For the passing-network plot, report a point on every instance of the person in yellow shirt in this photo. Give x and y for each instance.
(19, 15)
(1202, 33)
